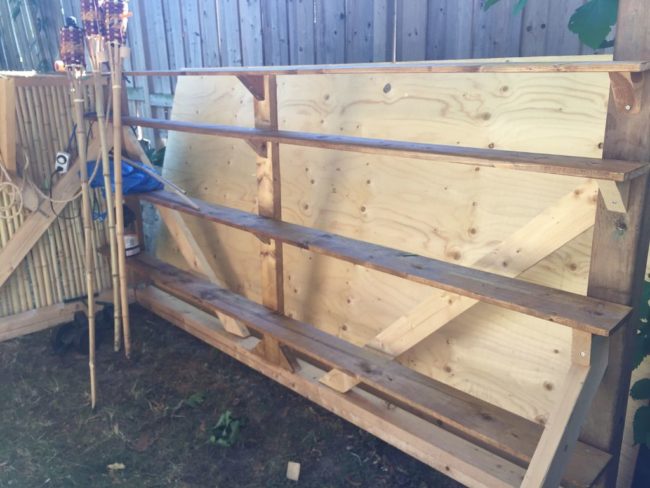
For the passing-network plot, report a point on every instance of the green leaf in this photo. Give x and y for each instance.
(226, 431)
(195, 400)
(642, 425)
(593, 21)
(15, 12)
(519, 6)
(489, 3)
(641, 390)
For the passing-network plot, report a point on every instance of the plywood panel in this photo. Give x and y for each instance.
(439, 210)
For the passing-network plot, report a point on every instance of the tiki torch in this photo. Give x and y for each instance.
(72, 56)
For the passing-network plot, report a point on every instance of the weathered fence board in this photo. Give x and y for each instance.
(194, 33)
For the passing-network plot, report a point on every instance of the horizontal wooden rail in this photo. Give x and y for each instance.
(576, 311)
(413, 67)
(601, 169)
(509, 434)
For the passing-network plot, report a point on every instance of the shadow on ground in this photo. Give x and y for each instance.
(156, 415)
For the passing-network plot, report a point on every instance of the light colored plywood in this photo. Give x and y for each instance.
(445, 212)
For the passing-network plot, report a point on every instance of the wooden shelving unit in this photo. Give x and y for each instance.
(469, 439)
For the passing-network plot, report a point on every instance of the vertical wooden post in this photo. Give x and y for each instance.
(269, 203)
(8, 123)
(620, 245)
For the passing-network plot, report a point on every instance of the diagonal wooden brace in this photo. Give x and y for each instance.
(565, 421)
(38, 222)
(554, 227)
(185, 241)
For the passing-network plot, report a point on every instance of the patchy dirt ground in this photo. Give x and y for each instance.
(156, 415)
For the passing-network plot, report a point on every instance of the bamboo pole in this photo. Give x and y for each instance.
(110, 206)
(73, 288)
(5, 236)
(78, 102)
(73, 234)
(116, 79)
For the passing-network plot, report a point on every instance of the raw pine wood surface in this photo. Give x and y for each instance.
(573, 310)
(461, 460)
(620, 246)
(450, 212)
(515, 160)
(449, 67)
(509, 434)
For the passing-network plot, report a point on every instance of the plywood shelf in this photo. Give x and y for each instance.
(576, 311)
(602, 169)
(507, 434)
(413, 67)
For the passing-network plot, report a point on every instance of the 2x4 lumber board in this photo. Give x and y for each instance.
(21, 324)
(183, 237)
(413, 67)
(489, 425)
(8, 124)
(601, 169)
(620, 243)
(557, 225)
(584, 313)
(34, 79)
(39, 221)
(563, 426)
(39, 319)
(554, 227)
(269, 204)
(442, 450)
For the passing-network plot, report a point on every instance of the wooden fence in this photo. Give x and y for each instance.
(194, 33)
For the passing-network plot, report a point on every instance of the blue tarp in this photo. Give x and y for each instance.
(133, 179)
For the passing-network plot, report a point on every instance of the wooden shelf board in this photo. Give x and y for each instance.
(488, 425)
(601, 169)
(576, 311)
(458, 458)
(414, 67)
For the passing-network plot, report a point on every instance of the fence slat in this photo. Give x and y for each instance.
(330, 25)
(412, 30)
(436, 29)
(382, 31)
(497, 32)
(229, 33)
(192, 34)
(358, 31)
(275, 32)
(174, 33)
(250, 25)
(559, 40)
(534, 29)
(209, 32)
(300, 14)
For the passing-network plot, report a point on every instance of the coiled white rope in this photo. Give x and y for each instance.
(14, 207)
